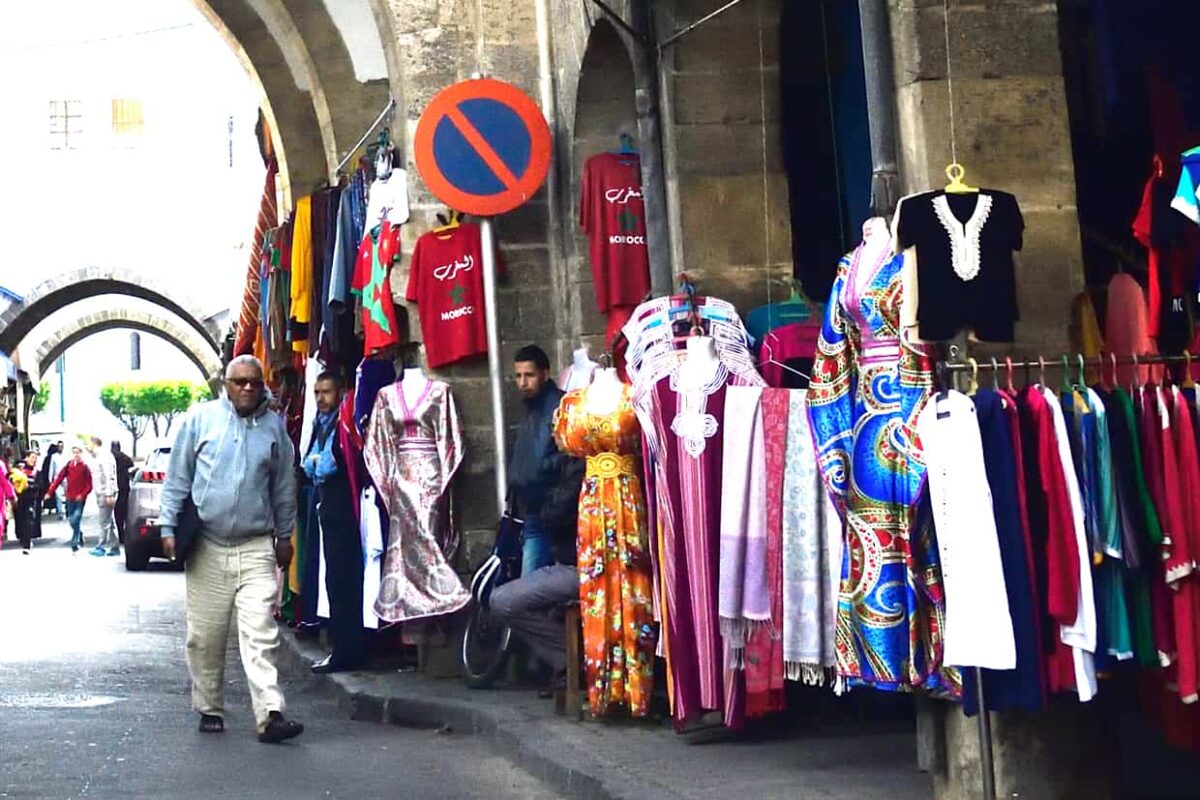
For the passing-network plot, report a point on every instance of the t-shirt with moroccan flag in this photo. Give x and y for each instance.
(372, 281)
(445, 280)
(613, 216)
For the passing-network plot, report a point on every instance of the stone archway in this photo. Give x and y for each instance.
(19, 316)
(200, 351)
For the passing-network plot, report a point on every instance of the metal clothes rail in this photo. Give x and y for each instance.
(388, 109)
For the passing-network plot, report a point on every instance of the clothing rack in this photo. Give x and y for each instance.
(1066, 362)
(387, 109)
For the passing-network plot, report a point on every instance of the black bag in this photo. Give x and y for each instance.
(187, 530)
(504, 564)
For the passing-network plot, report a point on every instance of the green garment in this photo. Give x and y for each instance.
(1137, 582)
(1108, 561)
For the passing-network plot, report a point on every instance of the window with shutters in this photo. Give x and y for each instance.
(127, 123)
(66, 124)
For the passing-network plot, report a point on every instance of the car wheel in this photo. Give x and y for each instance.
(135, 560)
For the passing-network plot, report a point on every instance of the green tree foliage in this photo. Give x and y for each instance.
(152, 404)
(41, 398)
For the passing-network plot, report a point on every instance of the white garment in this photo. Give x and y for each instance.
(1080, 636)
(311, 370)
(322, 591)
(388, 199)
(220, 580)
(104, 474)
(979, 630)
(371, 530)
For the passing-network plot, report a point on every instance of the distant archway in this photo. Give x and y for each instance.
(19, 317)
(201, 352)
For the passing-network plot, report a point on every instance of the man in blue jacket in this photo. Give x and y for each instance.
(234, 458)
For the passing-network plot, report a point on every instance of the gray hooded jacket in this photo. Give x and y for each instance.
(238, 470)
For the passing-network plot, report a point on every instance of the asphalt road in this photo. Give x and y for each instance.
(95, 703)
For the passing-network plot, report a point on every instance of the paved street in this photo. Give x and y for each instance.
(94, 703)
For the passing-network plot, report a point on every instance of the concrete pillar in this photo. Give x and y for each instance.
(1011, 132)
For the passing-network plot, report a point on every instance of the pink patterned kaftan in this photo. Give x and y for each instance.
(413, 449)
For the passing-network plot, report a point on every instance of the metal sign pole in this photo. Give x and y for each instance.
(488, 242)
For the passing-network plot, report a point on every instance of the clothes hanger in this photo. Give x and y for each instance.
(1066, 386)
(974, 385)
(1011, 389)
(955, 172)
(452, 222)
(1109, 382)
(1082, 373)
(1133, 376)
(1188, 382)
(1041, 371)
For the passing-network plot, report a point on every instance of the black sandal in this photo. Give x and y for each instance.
(211, 723)
(279, 729)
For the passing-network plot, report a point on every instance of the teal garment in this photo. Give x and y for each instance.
(1108, 570)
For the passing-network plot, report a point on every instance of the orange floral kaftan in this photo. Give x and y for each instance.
(615, 584)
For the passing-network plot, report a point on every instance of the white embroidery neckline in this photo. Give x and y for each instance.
(964, 237)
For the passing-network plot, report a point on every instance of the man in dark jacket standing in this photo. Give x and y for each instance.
(124, 465)
(547, 482)
(535, 462)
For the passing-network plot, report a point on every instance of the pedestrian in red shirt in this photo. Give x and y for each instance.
(78, 476)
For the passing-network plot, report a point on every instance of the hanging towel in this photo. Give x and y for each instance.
(743, 597)
(764, 648)
(808, 602)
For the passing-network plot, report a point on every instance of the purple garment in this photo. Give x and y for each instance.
(688, 489)
(373, 374)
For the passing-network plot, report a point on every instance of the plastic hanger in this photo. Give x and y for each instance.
(1041, 371)
(1011, 389)
(1188, 383)
(1066, 386)
(452, 223)
(995, 374)
(1082, 372)
(974, 385)
(1109, 382)
(1134, 375)
(956, 173)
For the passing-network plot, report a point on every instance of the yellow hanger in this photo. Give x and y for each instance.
(1188, 383)
(955, 172)
(455, 219)
(974, 386)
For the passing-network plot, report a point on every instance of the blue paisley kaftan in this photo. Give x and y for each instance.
(869, 385)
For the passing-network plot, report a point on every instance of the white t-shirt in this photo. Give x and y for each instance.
(388, 199)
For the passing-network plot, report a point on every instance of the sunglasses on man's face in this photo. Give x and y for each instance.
(243, 383)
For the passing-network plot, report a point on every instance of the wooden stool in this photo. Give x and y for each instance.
(569, 701)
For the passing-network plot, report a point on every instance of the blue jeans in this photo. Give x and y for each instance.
(537, 550)
(74, 516)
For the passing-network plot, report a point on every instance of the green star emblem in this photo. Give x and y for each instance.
(457, 294)
(628, 221)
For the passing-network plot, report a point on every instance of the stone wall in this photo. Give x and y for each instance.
(1011, 131)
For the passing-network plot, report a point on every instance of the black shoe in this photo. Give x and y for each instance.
(211, 723)
(279, 729)
(329, 664)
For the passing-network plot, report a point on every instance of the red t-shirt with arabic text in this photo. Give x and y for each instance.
(613, 216)
(445, 280)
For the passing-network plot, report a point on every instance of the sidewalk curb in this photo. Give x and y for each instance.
(528, 742)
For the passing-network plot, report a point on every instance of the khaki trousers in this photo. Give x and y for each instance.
(220, 580)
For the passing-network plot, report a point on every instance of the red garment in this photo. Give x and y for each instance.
(764, 647)
(1149, 429)
(380, 249)
(1182, 552)
(1060, 554)
(445, 280)
(613, 216)
(247, 327)
(1126, 325)
(617, 317)
(1142, 227)
(78, 476)
(785, 343)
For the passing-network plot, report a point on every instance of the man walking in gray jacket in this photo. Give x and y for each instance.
(234, 458)
(104, 483)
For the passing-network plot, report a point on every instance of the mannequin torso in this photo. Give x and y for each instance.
(700, 365)
(604, 395)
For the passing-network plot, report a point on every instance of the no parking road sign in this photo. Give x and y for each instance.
(483, 147)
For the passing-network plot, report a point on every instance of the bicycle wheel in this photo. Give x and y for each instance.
(484, 649)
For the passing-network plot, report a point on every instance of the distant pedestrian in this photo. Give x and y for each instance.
(78, 478)
(60, 460)
(47, 471)
(104, 479)
(27, 516)
(124, 466)
(233, 457)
